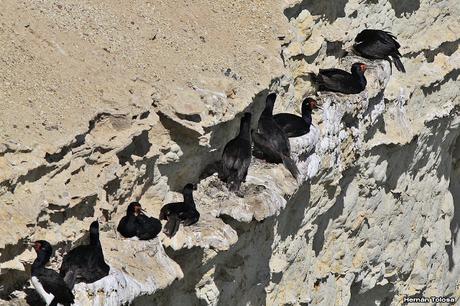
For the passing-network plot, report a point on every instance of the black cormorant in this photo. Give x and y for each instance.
(293, 125)
(85, 263)
(378, 44)
(48, 283)
(338, 80)
(270, 142)
(136, 223)
(237, 155)
(180, 212)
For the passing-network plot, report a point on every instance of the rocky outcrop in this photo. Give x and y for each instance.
(124, 103)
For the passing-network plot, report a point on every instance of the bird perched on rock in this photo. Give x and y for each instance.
(293, 125)
(378, 44)
(237, 155)
(48, 283)
(85, 263)
(180, 212)
(338, 80)
(136, 223)
(270, 142)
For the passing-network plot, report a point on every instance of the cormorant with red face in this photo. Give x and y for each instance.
(48, 283)
(293, 125)
(338, 80)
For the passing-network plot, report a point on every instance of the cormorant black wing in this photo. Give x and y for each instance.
(292, 125)
(67, 262)
(388, 38)
(172, 226)
(335, 80)
(53, 283)
(235, 160)
(170, 208)
(274, 135)
(148, 227)
(375, 50)
(126, 227)
(191, 216)
(266, 147)
(230, 157)
(377, 38)
(335, 73)
(87, 262)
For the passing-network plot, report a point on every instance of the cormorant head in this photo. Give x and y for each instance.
(270, 103)
(94, 233)
(358, 67)
(134, 208)
(189, 188)
(43, 246)
(94, 227)
(312, 104)
(164, 213)
(187, 193)
(44, 252)
(308, 105)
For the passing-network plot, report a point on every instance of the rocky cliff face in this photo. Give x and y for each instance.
(106, 104)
